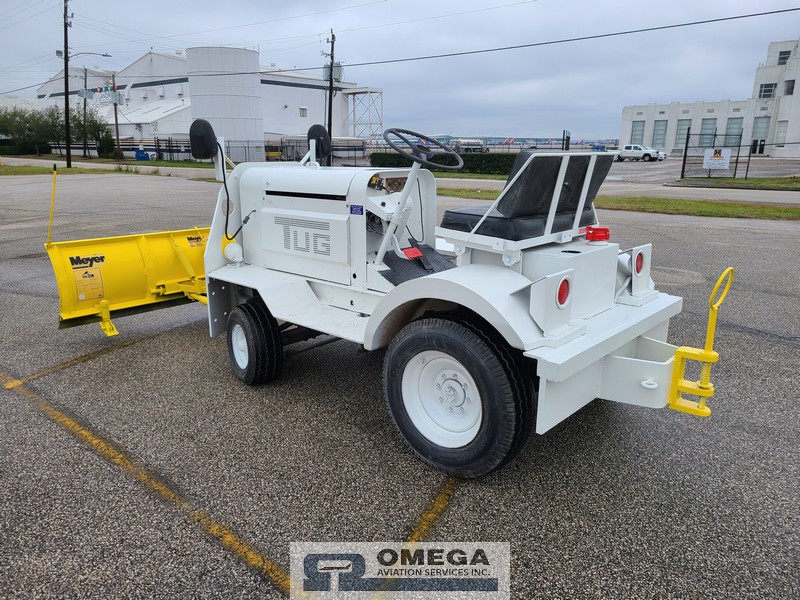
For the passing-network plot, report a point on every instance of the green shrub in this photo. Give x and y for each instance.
(105, 149)
(26, 149)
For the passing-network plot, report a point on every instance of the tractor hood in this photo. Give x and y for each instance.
(294, 181)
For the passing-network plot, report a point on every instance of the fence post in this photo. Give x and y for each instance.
(685, 150)
(738, 152)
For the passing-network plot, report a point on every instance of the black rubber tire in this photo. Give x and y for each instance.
(647, 158)
(620, 158)
(506, 392)
(254, 326)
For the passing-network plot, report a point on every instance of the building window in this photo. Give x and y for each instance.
(660, 134)
(767, 90)
(683, 129)
(780, 133)
(783, 56)
(637, 132)
(733, 131)
(303, 111)
(737, 110)
(788, 87)
(708, 132)
(685, 111)
(760, 128)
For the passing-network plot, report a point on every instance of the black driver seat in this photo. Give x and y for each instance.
(522, 213)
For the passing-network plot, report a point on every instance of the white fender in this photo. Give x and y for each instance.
(499, 295)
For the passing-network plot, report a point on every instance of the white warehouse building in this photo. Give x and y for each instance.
(247, 104)
(768, 121)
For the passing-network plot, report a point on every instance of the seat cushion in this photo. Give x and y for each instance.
(513, 229)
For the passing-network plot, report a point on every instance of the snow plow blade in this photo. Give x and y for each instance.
(118, 276)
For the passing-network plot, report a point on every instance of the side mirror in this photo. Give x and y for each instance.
(202, 140)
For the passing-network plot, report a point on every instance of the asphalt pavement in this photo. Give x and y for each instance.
(139, 467)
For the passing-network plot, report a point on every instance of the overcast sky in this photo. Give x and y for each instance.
(533, 91)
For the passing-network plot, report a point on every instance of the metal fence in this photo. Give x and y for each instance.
(711, 155)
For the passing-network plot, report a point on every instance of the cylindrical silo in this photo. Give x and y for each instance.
(225, 88)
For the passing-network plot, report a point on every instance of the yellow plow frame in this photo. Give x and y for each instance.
(117, 276)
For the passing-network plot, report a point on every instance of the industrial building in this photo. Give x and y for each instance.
(768, 122)
(251, 106)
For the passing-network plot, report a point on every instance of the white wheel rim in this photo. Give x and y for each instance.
(239, 346)
(441, 399)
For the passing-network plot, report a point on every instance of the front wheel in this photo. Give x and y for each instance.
(457, 396)
(254, 343)
(646, 158)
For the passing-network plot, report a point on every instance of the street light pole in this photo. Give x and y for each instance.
(66, 57)
(67, 136)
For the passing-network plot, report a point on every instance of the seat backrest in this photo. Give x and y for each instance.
(532, 193)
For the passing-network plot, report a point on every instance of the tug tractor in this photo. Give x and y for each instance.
(501, 321)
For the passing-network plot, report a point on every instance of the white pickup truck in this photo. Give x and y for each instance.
(639, 152)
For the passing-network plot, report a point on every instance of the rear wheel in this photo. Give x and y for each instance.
(620, 158)
(457, 395)
(254, 343)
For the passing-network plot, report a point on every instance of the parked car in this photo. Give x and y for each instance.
(639, 152)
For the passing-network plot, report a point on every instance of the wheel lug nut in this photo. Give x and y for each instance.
(441, 399)
(449, 409)
(438, 386)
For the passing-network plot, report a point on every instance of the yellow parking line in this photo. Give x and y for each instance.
(437, 506)
(13, 383)
(226, 538)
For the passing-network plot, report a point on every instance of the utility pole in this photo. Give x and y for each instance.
(67, 136)
(85, 135)
(330, 92)
(116, 103)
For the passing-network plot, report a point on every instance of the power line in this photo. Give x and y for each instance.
(561, 41)
(505, 48)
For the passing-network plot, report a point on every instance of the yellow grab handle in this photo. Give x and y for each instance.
(726, 273)
(727, 278)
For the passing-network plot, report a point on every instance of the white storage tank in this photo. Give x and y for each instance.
(225, 84)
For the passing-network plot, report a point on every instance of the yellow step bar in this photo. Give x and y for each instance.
(117, 276)
(703, 388)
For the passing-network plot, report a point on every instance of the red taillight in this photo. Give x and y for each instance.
(638, 263)
(598, 234)
(562, 294)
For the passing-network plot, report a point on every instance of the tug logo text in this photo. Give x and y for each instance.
(305, 235)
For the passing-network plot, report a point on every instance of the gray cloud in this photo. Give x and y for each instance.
(581, 86)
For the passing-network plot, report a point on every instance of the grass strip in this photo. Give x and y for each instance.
(757, 183)
(700, 208)
(667, 206)
(32, 170)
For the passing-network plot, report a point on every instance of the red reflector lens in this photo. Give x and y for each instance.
(563, 292)
(639, 263)
(598, 234)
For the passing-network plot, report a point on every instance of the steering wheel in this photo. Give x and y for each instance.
(419, 153)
